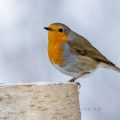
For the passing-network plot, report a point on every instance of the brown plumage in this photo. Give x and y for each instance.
(82, 46)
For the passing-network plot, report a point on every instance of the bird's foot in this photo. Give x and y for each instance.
(79, 85)
(73, 80)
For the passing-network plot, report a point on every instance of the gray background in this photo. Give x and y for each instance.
(23, 47)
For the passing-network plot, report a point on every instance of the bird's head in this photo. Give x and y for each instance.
(58, 32)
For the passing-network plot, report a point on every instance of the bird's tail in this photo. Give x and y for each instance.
(110, 66)
(115, 68)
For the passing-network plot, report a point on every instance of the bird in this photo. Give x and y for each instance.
(72, 54)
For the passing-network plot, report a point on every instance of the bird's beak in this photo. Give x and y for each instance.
(47, 28)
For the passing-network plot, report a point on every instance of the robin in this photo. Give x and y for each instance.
(72, 54)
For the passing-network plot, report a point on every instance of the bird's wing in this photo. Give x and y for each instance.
(83, 47)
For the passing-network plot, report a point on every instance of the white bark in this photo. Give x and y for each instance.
(39, 102)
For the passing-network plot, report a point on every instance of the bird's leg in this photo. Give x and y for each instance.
(72, 80)
(75, 78)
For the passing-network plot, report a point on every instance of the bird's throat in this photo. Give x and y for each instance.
(55, 53)
(55, 50)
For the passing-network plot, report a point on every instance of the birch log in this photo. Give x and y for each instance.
(39, 102)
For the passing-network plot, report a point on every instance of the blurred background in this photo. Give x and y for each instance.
(23, 47)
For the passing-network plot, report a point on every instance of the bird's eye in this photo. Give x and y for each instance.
(60, 30)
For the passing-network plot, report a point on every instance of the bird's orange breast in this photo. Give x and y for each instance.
(55, 50)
